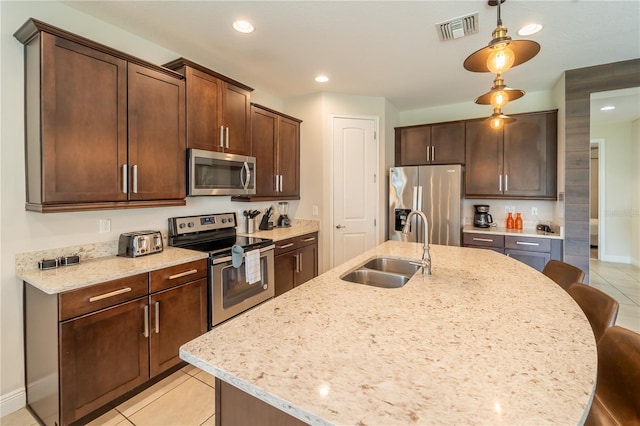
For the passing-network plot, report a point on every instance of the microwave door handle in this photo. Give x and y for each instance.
(245, 171)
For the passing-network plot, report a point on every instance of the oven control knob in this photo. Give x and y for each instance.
(191, 224)
(224, 220)
(264, 287)
(181, 226)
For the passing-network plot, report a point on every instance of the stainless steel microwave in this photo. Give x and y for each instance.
(219, 173)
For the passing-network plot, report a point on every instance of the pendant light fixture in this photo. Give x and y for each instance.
(498, 119)
(502, 52)
(500, 94)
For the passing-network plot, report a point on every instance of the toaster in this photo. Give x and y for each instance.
(139, 243)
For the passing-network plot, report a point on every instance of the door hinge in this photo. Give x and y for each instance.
(375, 177)
(375, 222)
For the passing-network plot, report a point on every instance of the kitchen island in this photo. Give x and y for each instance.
(485, 339)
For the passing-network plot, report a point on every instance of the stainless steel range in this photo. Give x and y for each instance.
(230, 293)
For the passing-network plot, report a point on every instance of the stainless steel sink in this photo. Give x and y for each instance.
(385, 272)
(395, 266)
(376, 278)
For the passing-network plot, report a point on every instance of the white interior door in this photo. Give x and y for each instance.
(355, 187)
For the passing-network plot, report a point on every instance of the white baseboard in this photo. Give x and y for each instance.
(12, 401)
(616, 259)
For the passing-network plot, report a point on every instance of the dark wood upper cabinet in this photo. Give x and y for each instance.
(103, 129)
(275, 142)
(441, 143)
(218, 109)
(518, 161)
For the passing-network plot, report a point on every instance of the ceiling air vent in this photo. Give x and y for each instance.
(458, 27)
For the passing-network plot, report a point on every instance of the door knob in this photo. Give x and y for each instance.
(340, 226)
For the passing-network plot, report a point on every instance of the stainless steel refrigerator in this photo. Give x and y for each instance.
(437, 191)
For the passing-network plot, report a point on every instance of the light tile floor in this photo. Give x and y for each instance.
(187, 397)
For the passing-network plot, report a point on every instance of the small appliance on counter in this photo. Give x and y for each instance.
(482, 218)
(139, 243)
(283, 219)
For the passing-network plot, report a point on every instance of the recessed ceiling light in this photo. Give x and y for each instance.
(529, 29)
(322, 79)
(243, 26)
(607, 108)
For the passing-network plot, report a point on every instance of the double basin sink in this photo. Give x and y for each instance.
(385, 272)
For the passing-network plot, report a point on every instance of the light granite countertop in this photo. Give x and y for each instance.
(527, 232)
(485, 339)
(298, 227)
(94, 271)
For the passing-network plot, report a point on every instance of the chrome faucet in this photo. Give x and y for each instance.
(425, 263)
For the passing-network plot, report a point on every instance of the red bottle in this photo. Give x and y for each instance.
(518, 221)
(510, 224)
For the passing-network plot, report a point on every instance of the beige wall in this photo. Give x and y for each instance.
(635, 192)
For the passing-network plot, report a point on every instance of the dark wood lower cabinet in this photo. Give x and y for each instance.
(295, 261)
(236, 407)
(86, 348)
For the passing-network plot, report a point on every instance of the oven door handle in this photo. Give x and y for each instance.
(263, 251)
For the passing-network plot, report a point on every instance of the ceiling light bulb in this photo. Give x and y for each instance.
(243, 26)
(529, 29)
(500, 60)
(322, 79)
(499, 99)
(607, 108)
(496, 123)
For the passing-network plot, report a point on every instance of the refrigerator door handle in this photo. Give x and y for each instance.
(415, 198)
(419, 205)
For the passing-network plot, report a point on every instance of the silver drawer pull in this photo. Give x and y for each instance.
(285, 246)
(524, 243)
(157, 317)
(183, 274)
(306, 240)
(146, 321)
(110, 294)
(486, 240)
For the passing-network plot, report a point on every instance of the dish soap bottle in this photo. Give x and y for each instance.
(518, 221)
(510, 224)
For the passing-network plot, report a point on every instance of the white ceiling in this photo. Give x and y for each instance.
(377, 48)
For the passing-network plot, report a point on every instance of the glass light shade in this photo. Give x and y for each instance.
(499, 99)
(500, 60)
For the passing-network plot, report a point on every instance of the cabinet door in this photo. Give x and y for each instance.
(236, 119)
(307, 263)
(177, 316)
(84, 125)
(447, 143)
(288, 156)
(204, 104)
(529, 168)
(285, 272)
(483, 161)
(412, 144)
(103, 355)
(536, 260)
(264, 127)
(157, 141)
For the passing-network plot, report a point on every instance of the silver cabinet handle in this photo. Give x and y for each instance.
(183, 274)
(221, 136)
(525, 243)
(146, 321)
(280, 183)
(135, 178)
(506, 183)
(428, 152)
(124, 178)
(300, 262)
(285, 246)
(500, 184)
(276, 183)
(486, 240)
(297, 263)
(306, 240)
(340, 226)
(433, 153)
(157, 317)
(110, 294)
(227, 136)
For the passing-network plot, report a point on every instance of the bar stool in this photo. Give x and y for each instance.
(600, 308)
(617, 397)
(562, 273)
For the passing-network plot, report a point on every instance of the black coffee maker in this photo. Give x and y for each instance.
(482, 218)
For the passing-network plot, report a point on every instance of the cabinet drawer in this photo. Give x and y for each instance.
(175, 275)
(99, 296)
(483, 240)
(284, 246)
(528, 243)
(308, 239)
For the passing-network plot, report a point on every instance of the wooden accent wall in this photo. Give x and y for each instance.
(579, 84)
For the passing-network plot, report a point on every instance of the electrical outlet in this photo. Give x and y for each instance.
(509, 209)
(534, 211)
(105, 225)
(315, 210)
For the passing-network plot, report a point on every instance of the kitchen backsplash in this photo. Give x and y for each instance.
(549, 212)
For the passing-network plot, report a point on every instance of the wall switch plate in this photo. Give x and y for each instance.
(105, 225)
(534, 211)
(315, 210)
